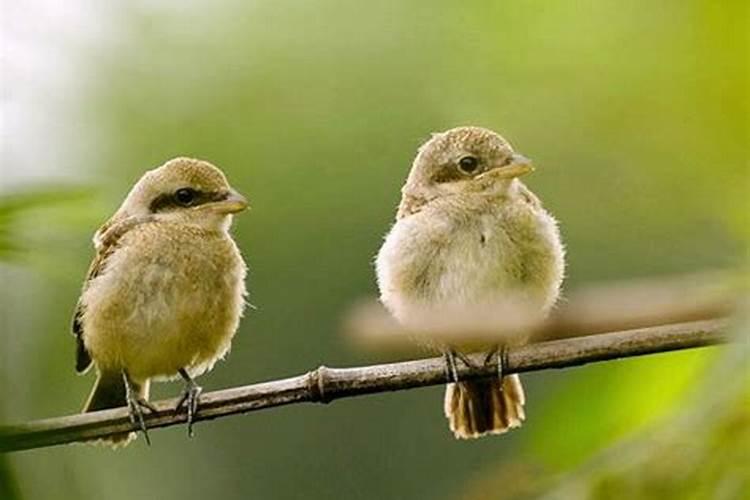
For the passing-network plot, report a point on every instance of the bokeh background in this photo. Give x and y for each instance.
(636, 114)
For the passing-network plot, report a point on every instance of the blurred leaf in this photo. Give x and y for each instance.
(698, 450)
(15, 206)
(8, 486)
(603, 403)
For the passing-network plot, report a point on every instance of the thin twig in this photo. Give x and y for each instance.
(326, 384)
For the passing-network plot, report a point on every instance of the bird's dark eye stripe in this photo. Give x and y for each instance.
(458, 170)
(218, 195)
(180, 198)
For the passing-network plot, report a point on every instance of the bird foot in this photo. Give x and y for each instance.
(451, 366)
(497, 357)
(189, 399)
(136, 404)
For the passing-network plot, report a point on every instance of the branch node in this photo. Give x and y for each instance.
(316, 384)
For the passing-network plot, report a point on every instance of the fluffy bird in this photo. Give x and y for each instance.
(469, 233)
(165, 292)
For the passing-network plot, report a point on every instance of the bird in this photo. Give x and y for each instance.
(469, 233)
(165, 292)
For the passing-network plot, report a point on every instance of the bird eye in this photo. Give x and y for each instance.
(185, 196)
(468, 164)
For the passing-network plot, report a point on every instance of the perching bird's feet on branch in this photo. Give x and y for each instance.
(495, 356)
(189, 399)
(136, 403)
(451, 367)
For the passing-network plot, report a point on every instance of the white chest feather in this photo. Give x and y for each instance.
(457, 255)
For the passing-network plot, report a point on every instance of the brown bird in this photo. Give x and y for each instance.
(469, 233)
(165, 292)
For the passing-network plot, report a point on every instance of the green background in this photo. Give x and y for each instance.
(635, 113)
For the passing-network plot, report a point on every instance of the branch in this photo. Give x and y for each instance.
(326, 384)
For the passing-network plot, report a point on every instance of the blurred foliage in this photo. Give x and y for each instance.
(656, 395)
(699, 450)
(16, 240)
(635, 114)
(8, 487)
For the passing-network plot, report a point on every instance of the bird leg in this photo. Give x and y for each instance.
(136, 403)
(189, 398)
(451, 370)
(451, 367)
(498, 356)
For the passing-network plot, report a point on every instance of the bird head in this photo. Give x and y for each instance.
(465, 160)
(185, 190)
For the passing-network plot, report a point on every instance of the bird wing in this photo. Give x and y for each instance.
(106, 242)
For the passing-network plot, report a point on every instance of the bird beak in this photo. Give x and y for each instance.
(519, 165)
(233, 203)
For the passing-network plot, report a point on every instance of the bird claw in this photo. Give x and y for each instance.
(451, 366)
(451, 370)
(189, 399)
(497, 357)
(135, 407)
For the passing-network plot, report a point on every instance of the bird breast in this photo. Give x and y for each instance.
(464, 254)
(169, 297)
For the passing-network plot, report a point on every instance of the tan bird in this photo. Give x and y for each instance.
(165, 292)
(469, 233)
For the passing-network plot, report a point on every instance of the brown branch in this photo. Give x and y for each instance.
(326, 384)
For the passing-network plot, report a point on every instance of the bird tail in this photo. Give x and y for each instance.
(109, 392)
(486, 406)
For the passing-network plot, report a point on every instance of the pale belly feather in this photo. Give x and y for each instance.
(432, 259)
(154, 315)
